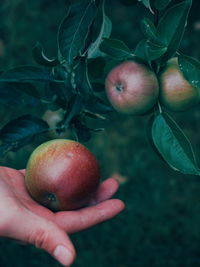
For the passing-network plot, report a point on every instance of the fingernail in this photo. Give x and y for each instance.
(63, 255)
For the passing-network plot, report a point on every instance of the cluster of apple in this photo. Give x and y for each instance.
(133, 88)
(63, 174)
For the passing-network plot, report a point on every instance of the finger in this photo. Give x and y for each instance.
(44, 234)
(23, 171)
(105, 191)
(74, 221)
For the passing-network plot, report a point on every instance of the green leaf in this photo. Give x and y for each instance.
(149, 136)
(145, 2)
(18, 94)
(161, 4)
(149, 51)
(82, 82)
(171, 27)
(40, 58)
(93, 115)
(154, 51)
(128, 2)
(4, 148)
(81, 131)
(96, 69)
(173, 145)
(148, 29)
(74, 107)
(105, 31)
(74, 29)
(116, 49)
(58, 93)
(191, 69)
(20, 131)
(98, 87)
(141, 50)
(26, 73)
(97, 105)
(65, 79)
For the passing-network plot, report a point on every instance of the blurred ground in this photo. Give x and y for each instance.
(161, 224)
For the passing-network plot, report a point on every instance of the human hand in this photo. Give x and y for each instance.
(25, 220)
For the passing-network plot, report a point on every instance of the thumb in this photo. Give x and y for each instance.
(44, 234)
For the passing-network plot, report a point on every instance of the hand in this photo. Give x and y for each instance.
(25, 220)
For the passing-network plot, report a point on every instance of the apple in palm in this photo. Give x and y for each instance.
(62, 174)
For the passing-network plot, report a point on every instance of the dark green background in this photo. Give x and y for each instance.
(161, 224)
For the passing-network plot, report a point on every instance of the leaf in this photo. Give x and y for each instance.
(28, 89)
(191, 69)
(141, 50)
(172, 26)
(98, 87)
(128, 2)
(74, 108)
(148, 29)
(58, 94)
(26, 73)
(115, 48)
(4, 148)
(96, 70)
(20, 131)
(149, 51)
(105, 32)
(40, 58)
(149, 136)
(145, 2)
(81, 79)
(18, 94)
(161, 4)
(173, 145)
(81, 131)
(74, 29)
(96, 105)
(154, 51)
(63, 80)
(93, 115)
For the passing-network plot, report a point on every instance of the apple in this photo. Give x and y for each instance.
(132, 88)
(62, 174)
(176, 93)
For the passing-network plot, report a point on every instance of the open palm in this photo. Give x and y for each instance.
(24, 219)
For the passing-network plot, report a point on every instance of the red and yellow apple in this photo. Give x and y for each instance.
(62, 174)
(132, 88)
(176, 93)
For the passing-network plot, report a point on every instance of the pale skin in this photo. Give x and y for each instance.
(25, 220)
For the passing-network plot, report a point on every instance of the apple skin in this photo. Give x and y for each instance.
(132, 88)
(176, 93)
(62, 174)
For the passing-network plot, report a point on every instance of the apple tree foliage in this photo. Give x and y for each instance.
(74, 79)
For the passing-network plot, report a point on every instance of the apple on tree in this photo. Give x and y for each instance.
(132, 88)
(62, 174)
(176, 93)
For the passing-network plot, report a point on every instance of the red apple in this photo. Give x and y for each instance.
(176, 93)
(132, 88)
(62, 174)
